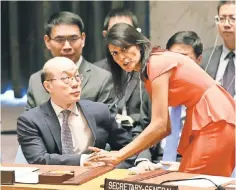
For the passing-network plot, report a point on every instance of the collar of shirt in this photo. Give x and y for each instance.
(225, 51)
(73, 108)
(78, 63)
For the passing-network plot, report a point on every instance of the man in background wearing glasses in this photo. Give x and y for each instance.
(219, 61)
(64, 36)
(59, 131)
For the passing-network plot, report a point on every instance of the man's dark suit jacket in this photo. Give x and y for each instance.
(132, 95)
(212, 67)
(39, 134)
(132, 101)
(96, 86)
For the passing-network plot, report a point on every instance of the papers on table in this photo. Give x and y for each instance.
(24, 174)
(19, 169)
(32, 177)
(231, 186)
(218, 180)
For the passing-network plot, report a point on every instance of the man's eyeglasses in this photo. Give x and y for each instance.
(63, 39)
(222, 19)
(68, 80)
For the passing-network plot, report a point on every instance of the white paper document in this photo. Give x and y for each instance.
(24, 174)
(32, 177)
(218, 180)
(231, 186)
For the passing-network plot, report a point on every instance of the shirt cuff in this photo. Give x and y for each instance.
(83, 158)
(137, 161)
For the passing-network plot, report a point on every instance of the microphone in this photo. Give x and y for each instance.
(218, 187)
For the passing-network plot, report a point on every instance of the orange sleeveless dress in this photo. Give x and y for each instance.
(207, 143)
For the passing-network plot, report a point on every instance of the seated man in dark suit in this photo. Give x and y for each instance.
(59, 131)
(64, 36)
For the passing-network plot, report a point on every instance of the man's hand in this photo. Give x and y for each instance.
(148, 166)
(120, 118)
(173, 166)
(86, 162)
(110, 158)
(94, 164)
(145, 166)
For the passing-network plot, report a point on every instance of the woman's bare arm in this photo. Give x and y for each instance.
(159, 126)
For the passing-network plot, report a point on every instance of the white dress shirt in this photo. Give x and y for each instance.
(78, 63)
(81, 134)
(222, 66)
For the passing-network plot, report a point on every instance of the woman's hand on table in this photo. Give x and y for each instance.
(100, 155)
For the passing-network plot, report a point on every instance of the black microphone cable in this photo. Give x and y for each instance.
(218, 187)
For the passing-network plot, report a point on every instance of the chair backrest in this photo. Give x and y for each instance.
(20, 158)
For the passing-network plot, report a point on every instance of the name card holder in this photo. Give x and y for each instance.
(7, 177)
(111, 184)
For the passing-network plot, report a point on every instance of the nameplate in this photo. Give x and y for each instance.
(111, 184)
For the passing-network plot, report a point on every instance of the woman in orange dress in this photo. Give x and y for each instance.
(207, 143)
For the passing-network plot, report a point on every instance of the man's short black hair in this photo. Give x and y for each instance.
(64, 17)
(120, 12)
(223, 2)
(188, 38)
(43, 76)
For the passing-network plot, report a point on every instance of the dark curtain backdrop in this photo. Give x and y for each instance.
(22, 30)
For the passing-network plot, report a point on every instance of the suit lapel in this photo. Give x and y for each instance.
(85, 70)
(128, 91)
(89, 118)
(215, 61)
(131, 86)
(53, 124)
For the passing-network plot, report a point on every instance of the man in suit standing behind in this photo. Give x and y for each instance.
(219, 62)
(59, 131)
(64, 36)
(128, 107)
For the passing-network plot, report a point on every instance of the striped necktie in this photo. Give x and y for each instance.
(66, 137)
(229, 75)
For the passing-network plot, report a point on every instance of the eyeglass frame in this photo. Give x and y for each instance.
(65, 38)
(229, 18)
(70, 79)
